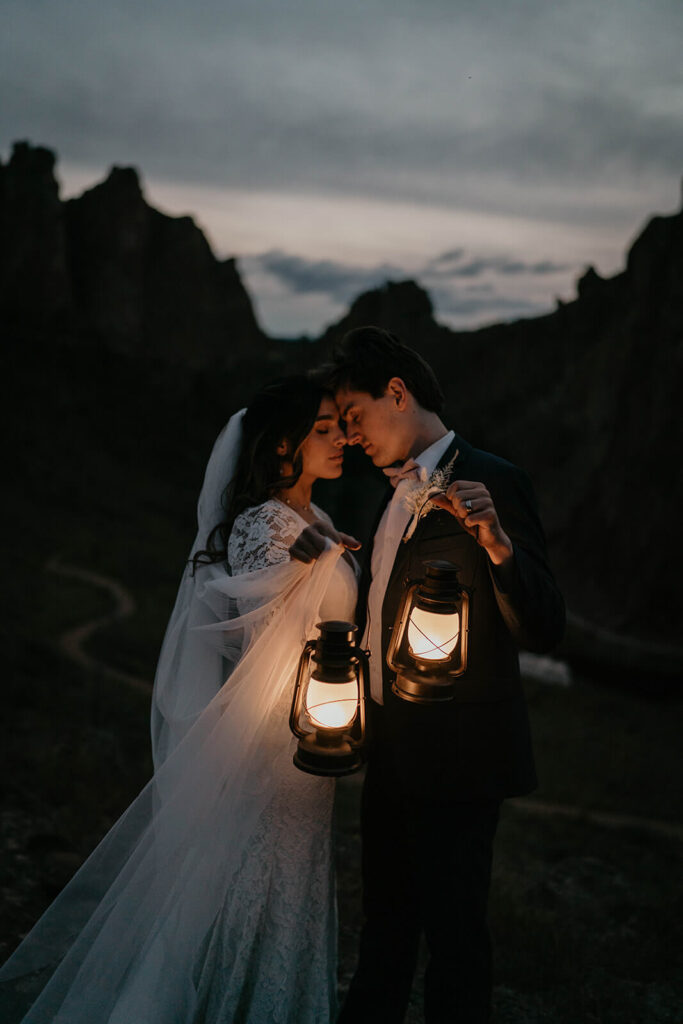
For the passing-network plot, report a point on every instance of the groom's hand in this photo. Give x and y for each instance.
(472, 505)
(311, 542)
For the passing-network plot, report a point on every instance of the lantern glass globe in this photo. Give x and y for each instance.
(331, 705)
(432, 636)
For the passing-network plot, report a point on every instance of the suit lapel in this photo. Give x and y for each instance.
(463, 448)
(458, 447)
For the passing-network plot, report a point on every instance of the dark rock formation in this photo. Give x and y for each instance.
(149, 282)
(402, 307)
(586, 399)
(109, 268)
(34, 280)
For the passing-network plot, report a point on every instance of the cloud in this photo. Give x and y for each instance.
(544, 109)
(454, 302)
(341, 281)
(344, 281)
(498, 132)
(451, 256)
(469, 309)
(506, 266)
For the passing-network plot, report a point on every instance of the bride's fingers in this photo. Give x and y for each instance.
(337, 537)
(349, 542)
(325, 530)
(303, 552)
(311, 541)
(304, 548)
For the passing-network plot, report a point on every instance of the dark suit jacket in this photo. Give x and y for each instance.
(478, 746)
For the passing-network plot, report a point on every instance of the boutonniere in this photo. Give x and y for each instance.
(418, 500)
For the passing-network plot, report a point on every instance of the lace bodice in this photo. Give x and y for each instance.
(261, 536)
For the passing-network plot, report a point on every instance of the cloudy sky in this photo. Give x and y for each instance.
(490, 148)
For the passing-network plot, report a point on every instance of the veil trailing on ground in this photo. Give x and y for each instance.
(123, 941)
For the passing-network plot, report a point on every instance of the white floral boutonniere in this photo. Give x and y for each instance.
(418, 500)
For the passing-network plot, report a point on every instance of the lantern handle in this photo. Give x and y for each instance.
(363, 702)
(304, 660)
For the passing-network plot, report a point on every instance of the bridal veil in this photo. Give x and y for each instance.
(120, 942)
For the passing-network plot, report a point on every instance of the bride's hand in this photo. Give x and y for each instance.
(311, 542)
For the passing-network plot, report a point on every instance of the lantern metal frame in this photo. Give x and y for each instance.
(428, 681)
(331, 750)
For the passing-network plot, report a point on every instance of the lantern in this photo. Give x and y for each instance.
(428, 647)
(328, 708)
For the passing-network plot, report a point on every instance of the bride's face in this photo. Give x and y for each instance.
(323, 450)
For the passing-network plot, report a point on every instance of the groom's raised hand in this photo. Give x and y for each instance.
(311, 542)
(472, 505)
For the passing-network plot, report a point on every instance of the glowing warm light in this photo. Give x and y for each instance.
(432, 637)
(331, 705)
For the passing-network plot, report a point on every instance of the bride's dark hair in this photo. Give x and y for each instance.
(284, 410)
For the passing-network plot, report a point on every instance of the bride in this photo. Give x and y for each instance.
(212, 898)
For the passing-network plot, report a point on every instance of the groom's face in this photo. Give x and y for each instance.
(377, 424)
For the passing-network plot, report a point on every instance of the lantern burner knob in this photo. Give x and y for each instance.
(440, 587)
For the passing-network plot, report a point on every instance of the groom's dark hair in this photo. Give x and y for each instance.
(368, 357)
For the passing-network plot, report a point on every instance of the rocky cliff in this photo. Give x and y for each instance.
(109, 267)
(585, 398)
(34, 279)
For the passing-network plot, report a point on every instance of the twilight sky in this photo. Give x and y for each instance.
(490, 148)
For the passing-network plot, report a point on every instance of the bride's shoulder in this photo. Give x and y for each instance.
(270, 514)
(262, 535)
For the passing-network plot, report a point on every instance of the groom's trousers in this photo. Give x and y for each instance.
(426, 868)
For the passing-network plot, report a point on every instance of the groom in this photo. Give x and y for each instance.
(437, 773)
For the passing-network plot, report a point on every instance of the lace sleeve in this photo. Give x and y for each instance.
(261, 536)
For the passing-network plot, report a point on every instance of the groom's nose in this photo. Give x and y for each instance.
(353, 436)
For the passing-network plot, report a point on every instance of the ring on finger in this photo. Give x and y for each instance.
(468, 506)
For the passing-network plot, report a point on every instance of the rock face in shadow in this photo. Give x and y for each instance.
(34, 278)
(110, 267)
(145, 280)
(586, 399)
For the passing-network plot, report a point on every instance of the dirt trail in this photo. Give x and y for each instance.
(72, 642)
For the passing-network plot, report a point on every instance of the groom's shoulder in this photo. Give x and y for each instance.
(506, 481)
(488, 463)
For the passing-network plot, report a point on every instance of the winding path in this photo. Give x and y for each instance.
(72, 643)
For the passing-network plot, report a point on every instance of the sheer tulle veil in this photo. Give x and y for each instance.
(189, 671)
(121, 942)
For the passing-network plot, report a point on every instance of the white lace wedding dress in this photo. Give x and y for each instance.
(212, 899)
(273, 954)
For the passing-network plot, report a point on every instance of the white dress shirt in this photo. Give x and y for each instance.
(387, 538)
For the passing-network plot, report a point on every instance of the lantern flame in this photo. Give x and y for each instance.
(331, 705)
(432, 636)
